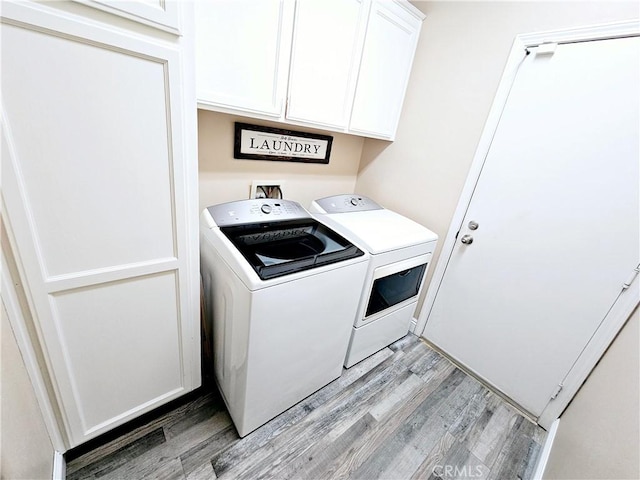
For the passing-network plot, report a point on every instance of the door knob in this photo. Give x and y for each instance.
(473, 225)
(467, 239)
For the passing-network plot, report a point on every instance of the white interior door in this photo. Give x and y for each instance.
(557, 208)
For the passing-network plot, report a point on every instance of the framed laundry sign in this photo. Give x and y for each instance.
(253, 142)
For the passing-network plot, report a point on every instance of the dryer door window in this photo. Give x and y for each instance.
(395, 288)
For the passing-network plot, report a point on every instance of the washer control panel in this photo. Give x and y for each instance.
(256, 210)
(344, 204)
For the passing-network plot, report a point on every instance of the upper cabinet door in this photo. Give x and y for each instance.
(161, 14)
(392, 36)
(242, 55)
(327, 43)
(251, 55)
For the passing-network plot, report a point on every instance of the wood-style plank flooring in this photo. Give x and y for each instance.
(404, 413)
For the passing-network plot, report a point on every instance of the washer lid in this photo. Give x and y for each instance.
(381, 230)
(274, 249)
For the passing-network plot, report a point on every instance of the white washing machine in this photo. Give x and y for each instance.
(400, 249)
(282, 290)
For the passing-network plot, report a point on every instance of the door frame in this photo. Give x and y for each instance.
(625, 304)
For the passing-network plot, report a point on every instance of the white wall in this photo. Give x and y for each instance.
(223, 178)
(461, 54)
(598, 436)
(26, 451)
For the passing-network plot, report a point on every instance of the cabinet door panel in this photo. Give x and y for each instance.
(242, 54)
(161, 14)
(328, 36)
(109, 329)
(95, 190)
(69, 151)
(392, 35)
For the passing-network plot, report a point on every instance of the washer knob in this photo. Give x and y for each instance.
(266, 208)
(354, 201)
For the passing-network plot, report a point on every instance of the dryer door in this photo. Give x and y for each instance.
(395, 284)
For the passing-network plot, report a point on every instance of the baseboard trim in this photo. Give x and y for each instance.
(59, 466)
(412, 327)
(481, 380)
(546, 450)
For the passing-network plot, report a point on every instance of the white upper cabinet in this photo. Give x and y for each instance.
(161, 14)
(242, 55)
(340, 65)
(327, 45)
(392, 37)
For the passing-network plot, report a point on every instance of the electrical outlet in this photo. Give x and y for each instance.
(266, 189)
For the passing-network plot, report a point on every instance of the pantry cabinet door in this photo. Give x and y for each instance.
(242, 55)
(96, 191)
(327, 44)
(392, 36)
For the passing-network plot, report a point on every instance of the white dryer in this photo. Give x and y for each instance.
(400, 249)
(282, 290)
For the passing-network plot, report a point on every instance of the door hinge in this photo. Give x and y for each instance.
(631, 278)
(556, 392)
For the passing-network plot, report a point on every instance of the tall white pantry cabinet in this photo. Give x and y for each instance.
(99, 203)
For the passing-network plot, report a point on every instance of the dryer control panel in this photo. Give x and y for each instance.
(344, 204)
(255, 211)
